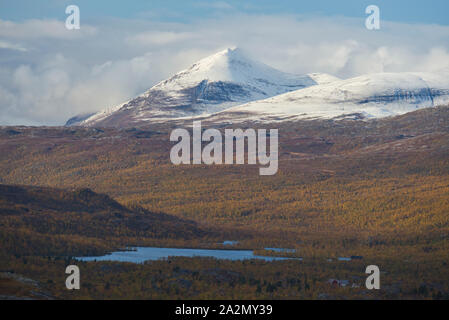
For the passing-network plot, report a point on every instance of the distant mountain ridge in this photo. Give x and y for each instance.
(230, 86)
(368, 96)
(215, 83)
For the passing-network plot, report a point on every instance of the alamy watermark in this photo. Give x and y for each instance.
(212, 153)
(73, 280)
(373, 280)
(372, 22)
(73, 20)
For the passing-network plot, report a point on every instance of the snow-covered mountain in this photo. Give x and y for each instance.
(230, 86)
(368, 96)
(223, 80)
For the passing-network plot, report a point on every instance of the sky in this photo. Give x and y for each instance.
(49, 74)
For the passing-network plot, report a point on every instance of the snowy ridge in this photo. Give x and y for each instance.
(371, 96)
(215, 83)
(230, 86)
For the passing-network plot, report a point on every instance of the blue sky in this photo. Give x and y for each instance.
(49, 74)
(408, 11)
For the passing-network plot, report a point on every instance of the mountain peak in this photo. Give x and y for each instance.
(214, 83)
(231, 52)
(231, 64)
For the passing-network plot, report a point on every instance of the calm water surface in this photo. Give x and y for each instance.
(141, 254)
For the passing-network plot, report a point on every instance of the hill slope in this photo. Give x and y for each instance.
(77, 221)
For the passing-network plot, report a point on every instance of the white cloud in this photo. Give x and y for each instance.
(158, 38)
(12, 46)
(59, 88)
(69, 72)
(33, 29)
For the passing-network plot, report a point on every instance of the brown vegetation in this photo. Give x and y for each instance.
(377, 189)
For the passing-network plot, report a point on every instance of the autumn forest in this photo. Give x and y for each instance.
(377, 190)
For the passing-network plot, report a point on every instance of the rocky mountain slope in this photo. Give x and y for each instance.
(225, 79)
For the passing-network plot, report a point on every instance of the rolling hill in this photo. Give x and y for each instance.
(79, 220)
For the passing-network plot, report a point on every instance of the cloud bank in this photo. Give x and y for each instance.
(48, 73)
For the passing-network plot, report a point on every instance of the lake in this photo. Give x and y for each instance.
(281, 250)
(344, 259)
(141, 254)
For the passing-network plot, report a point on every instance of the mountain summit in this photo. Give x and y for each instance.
(215, 83)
